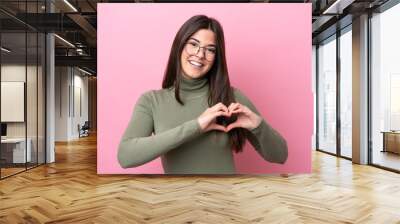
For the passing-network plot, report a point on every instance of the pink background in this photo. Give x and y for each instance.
(268, 50)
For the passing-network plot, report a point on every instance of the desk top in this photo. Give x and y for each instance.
(14, 140)
(391, 132)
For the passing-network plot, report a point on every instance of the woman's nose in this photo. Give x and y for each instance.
(202, 54)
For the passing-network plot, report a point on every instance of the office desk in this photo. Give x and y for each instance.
(16, 148)
(391, 141)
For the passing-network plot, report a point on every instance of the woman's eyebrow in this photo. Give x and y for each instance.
(194, 39)
(210, 45)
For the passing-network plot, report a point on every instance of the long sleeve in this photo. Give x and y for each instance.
(138, 146)
(266, 140)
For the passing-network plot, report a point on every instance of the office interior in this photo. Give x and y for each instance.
(48, 82)
(49, 92)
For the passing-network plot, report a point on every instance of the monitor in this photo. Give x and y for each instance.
(3, 129)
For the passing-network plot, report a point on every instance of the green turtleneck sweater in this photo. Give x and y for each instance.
(160, 126)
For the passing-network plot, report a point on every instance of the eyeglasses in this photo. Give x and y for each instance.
(193, 48)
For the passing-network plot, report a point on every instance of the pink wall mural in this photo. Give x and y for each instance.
(268, 50)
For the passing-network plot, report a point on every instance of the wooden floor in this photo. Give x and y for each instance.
(70, 191)
(10, 171)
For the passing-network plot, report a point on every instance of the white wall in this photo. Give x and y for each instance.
(62, 81)
(15, 72)
(70, 83)
(80, 102)
(10, 73)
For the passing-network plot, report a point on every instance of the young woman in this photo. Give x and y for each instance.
(197, 119)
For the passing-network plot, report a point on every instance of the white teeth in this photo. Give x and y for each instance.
(195, 63)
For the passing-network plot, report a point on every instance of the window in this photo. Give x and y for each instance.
(327, 95)
(385, 88)
(346, 92)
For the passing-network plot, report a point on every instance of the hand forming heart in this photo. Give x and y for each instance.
(245, 117)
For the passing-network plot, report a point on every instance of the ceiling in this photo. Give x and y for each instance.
(76, 22)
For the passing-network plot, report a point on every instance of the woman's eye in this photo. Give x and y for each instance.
(193, 44)
(211, 50)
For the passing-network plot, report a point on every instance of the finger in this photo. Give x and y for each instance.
(232, 126)
(235, 106)
(219, 107)
(213, 108)
(245, 109)
(237, 111)
(218, 127)
(220, 113)
(231, 106)
(241, 106)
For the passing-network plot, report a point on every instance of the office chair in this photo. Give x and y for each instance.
(84, 130)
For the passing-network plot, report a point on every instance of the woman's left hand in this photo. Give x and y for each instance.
(245, 117)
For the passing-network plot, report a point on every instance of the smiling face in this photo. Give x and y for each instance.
(198, 54)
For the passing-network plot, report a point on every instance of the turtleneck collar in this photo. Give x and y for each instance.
(193, 86)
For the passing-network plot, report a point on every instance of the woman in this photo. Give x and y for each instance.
(197, 118)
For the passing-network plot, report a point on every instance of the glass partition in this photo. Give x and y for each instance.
(346, 93)
(385, 89)
(327, 95)
(22, 63)
(14, 153)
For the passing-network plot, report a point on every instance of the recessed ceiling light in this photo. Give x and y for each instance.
(84, 71)
(338, 6)
(70, 5)
(5, 50)
(64, 40)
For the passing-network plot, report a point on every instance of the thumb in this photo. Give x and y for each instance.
(217, 127)
(232, 126)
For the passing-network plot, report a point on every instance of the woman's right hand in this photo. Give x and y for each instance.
(207, 120)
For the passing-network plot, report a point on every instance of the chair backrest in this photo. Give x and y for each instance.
(86, 124)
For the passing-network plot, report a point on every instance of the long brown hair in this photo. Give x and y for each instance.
(220, 89)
